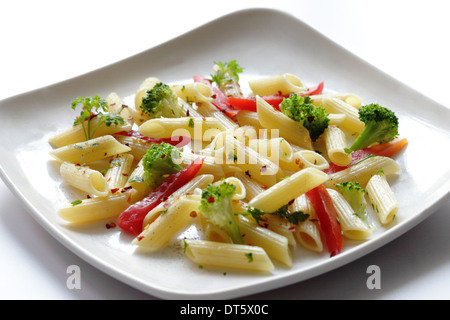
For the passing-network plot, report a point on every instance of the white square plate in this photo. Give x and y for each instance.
(264, 42)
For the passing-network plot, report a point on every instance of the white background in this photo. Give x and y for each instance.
(44, 42)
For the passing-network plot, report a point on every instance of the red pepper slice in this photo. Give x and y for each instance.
(177, 141)
(132, 218)
(326, 213)
(249, 103)
(387, 149)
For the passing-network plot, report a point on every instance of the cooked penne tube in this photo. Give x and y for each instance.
(351, 121)
(287, 128)
(305, 159)
(252, 188)
(228, 150)
(288, 189)
(208, 110)
(89, 151)
(75, 134)
(280, 226)
(364, 170)
(350, 98)
(307, 233)
(276, 149)
(138, 147)
(282, 84)
(227, 255)
(382, 199)
(193, 92)
(245, 134)
(275, 245)
(336, 119)
(209, 165)
(85, 179)
(167, 224)
(95, 209)
(336, 143)
(196, 128)
(352, 226)
(119, 170)
(249, 118)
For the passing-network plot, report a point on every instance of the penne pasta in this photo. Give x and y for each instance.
(227, 255)
(276, 149)
(252, 188)
(89, 151)
(288, 189)
(228, 150)
(351, 121)
(275, 245)
(208, 110)
(95, 209)
(352, 226)
(167, 224)
(194, 92)
(382, 199)
(85, 179)
(290, 129)
(305, 159)
(75, 134)
(249, 118)
(364, 170)
(336, 143)
(196, 128)
(282, 84)
(119, 170)
(307, 233)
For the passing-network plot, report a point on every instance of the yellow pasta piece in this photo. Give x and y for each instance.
(227, 255)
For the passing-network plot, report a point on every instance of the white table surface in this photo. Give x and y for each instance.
(406, 39)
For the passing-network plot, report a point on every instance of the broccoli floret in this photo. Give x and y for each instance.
(353, 192)
(301, 109)
(381, 125)
(216, 206)
(160, 161)
(161, 101)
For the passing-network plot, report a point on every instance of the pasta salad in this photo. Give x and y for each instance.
(258, 173)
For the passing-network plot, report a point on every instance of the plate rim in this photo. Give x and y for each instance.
(290, 278)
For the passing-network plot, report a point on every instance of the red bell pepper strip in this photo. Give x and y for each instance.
(249, 103)
(387, 149)
(132, 218)
(328, 220)
(177, 141)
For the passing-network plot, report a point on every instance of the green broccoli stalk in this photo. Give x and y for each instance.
(381, 125)
(216, 206)
(301, 109)
(160, 161)
(353, 192)
(161, 101)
